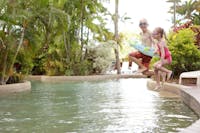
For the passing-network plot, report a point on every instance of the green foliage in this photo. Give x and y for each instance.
(82, 68)
(15, 78)
(185, 55)
(49, 37)
(102, 56)
(14, 16)
(187, 10)
(196, 18)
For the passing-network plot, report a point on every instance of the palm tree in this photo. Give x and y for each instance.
(173, 9)
(187, 9)
(117, 36)
(13, 24)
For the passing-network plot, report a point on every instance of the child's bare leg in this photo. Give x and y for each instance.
(163, 69)
(157, 76)
(138, 62)
(169, 72)
(163, 75)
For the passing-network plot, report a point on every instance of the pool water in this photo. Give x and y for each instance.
(113, 106)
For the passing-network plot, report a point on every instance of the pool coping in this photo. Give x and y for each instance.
(15, 88)
(57, 79)
(190, 95)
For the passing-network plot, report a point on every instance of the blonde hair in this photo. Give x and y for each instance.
(162, 32)
(143, 20)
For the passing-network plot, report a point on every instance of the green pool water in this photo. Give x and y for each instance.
(113, 106)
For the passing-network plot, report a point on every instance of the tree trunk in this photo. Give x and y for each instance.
(69, 46)
(174, 14)
(66, 47)
(117, 36)
(18, 48)
(82, 19)
(2, 78)
(47, 38)
(86, 51)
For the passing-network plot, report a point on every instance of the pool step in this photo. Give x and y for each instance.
(190, 78)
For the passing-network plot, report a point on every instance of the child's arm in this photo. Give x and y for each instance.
(152, 41)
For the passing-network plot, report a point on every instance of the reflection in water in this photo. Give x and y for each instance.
(122, 106)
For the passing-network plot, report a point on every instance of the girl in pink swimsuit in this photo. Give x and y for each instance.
(165, 56)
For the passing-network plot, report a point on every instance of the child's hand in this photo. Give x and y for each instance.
(156, 52)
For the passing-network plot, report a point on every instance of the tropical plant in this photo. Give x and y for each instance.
(173, 9)
(102, 56)
(187, 11)
(49, 36)
(14, 17)
(71, 38)
(184, 52)
(116, 19)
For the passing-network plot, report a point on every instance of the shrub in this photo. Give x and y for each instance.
(55, 68)
(102, 56)
(82, 68)
(185, 54)
(15, 78)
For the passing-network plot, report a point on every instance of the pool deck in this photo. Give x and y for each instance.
(190, 96)
(15, 88)
(56, 79)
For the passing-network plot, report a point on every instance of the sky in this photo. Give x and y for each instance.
(155, 11)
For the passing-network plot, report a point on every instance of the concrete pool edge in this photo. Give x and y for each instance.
(189, 95)
(15, 88)
(55, 79)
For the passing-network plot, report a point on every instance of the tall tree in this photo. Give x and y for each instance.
(187, 9)
(14, 20)
(173, 9)
(116, 19)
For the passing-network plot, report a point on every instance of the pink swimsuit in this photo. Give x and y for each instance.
(168, 56)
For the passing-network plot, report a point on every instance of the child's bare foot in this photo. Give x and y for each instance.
(157, 88)
(164, 75)
(169, 75)
(141, 70)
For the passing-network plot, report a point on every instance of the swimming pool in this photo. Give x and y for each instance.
(112, 106)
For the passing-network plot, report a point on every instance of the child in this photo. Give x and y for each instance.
(147, 40)
(165, 56)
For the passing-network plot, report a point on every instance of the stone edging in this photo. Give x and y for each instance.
(80, 78)
(14, 88)
(189, 95)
